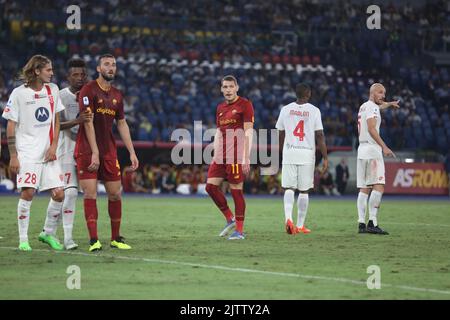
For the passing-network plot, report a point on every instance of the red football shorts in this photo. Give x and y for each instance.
(231, 172)
(109, 169)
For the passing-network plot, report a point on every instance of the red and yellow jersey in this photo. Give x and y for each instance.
(229, 119)
(107, 106)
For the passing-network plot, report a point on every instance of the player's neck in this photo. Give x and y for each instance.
(36, 85)
(302, 101)
(232, 101)
(73, 90)
(103, 84)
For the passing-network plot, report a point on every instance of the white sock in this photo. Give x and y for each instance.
(23, 218)
(302, 205)
(362, 205)
(288, 204)
(374, 204)
(68, 212)
(51, 221)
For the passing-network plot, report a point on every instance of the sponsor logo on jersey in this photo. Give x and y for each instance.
(227, 122)
(86, 101)
(30, 102)
(42, 114)
(107, 111)
(299, 113)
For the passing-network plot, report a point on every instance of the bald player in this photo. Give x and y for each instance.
(370, 163)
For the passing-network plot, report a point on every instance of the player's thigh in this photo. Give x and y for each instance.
(29, 175)
(234, 174)
(216, 171)
(82, 164)
(305, 176)
(69, 172)
(109, 170)
(289, 176)
(375, 172)
(361, 173)
(52, 176)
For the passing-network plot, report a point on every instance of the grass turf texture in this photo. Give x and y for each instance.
(177, 253)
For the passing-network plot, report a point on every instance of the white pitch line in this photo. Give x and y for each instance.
(216, 267)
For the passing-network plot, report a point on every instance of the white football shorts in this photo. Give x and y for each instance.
(369, 172)
(297, 176)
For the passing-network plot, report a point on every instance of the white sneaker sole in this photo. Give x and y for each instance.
(227, 230)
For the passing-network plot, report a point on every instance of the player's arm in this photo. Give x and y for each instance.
(393, 104)
(320, 138)
(281, 137)
(83, 117)
(124, 132)
(248, 119)
(371, 127)
(50, 154)
(14, 164)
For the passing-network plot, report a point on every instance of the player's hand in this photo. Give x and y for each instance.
(14, 165)
(134, 162)
(85, 116)
(95, 163)
(388, 152)
(394, 104)
(324, 166)
(245, 169)
(50, 155)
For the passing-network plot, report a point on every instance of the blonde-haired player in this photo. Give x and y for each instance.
(370, 163)
(300, 125)
(32, 135)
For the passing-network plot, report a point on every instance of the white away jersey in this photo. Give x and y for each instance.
(368, 148)
(35, 119)
(300, 121)
(68, 137)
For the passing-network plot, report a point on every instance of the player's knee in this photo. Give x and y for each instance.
(27, 194)
(115, 196)
(71, 193)
(58, 194)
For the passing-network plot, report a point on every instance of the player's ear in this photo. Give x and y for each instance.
(98, 68)
(37, 71)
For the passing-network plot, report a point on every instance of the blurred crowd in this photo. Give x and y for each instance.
(172, 54)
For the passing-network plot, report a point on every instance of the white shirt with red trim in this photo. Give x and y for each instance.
(35, 117)
(368, 147)
(300, 123)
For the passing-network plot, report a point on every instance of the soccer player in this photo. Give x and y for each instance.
(232, 146)
(95, 150)
(370, 164)
(300, 125)
(71, 118)
(32, 133)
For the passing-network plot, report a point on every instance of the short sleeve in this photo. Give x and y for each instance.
(318, 123)
(249, 115)
(280, 123)
(11, 111)
(86, 99)
(373, 112)
(59, 105)
(120, 112)
(217, 117)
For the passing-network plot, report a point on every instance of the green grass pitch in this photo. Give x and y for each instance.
(177, 253)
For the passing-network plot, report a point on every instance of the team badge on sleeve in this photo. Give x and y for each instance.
(86, 101)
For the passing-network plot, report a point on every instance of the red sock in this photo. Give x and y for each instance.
(115, 214)
(239, 208)
(219, 199)
(91, 215)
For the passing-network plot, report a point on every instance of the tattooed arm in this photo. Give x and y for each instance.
(11, 138)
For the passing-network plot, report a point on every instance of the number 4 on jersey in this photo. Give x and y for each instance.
(299, 130)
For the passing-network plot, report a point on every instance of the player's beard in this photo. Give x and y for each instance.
(108, 77)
